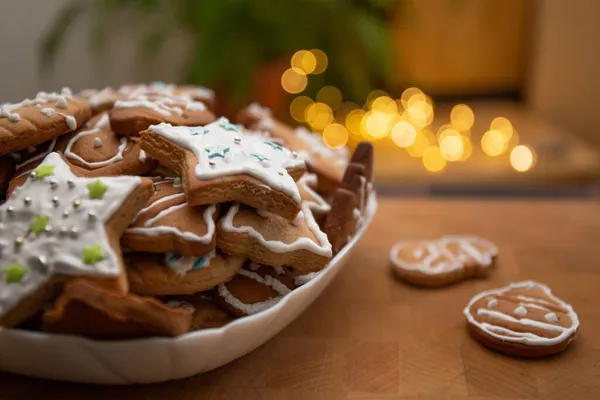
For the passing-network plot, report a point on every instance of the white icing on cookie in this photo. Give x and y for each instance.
(317, 204)
(520, 311)
(263, 116)
(94, 130)
(55, 224)
(551, 317)
(11, 111)
(180, 304)
(152, 226)
(254, 308)
(323, 247)
(222, 150)
(492, 303)
(182, 265)
(163, 105)
(438, 258)
(521, 335)
(40, 156)
(303, 279)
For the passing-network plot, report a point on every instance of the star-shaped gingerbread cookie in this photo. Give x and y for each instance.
(57, 226)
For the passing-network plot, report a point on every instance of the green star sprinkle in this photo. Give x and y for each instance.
(259, 157)
(228, 126)
(14, 273)
(274, 145)
(216, 151)
(39, 224)
(92, 254)
(197, 130)
(43, 171)
(96, 189)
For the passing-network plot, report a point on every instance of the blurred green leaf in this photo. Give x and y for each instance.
(55, 37)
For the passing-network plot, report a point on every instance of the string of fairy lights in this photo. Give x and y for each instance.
(405, 121)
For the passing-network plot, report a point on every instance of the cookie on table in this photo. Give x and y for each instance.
(254, 289)
(206, 313)
(34, 121)
(269, 239)
(257, 118)
(441, 262)
(218, 164)
(317, 204)
(58, 225)
(168, 224)
(88, 310)
(171, 274)
(522, 319)
(341, 222)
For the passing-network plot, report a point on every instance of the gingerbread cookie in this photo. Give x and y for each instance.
(254, 289)
(98, 151)
(28, 160)
(87, 310)
(100, 100)
(171, 274)
(133, 115)
(59, 225)
(167, 224)
(218, 163)
(206, 313)
(433, 263)
(522, 319)
(32, 122)
(341, 222)
(315, 202)
(270, 239)
(256, 118)
(7, 168)
(197, 93)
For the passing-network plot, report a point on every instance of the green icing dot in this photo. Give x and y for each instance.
(96, 189)
(43, 171)
(14, 273)
(92, 254)
(39, 224)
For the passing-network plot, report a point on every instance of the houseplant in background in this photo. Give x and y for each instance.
(241, 47)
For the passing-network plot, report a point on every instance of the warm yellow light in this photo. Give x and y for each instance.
(384, 104)
(521, 158)
(335, 136)
(445, 131)
(293, 80)
(374, 95)
(304, 60)
(462, 117)
(433, 159)
(503, 126)
(492, 143)
(467, 148)
(330, 95)
(407, 94)
(452, 148)
(403, 134)
(298, 108)
(418, 147)
(344, 109)
(420, 115)
(354, 121)
(377, 124)
(322, 62)
(319, 115)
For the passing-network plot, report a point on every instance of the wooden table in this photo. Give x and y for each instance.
(371, 337)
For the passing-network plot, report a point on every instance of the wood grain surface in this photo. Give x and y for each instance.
(372, 337)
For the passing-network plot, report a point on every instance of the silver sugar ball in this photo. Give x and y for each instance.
(27, 200)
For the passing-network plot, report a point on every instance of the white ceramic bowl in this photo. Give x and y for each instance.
(77, 359)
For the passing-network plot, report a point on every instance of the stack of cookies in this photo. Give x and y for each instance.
(137, 212)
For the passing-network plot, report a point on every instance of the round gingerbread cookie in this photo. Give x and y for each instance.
(171, 274)
(523, 319)
(440, 262)
(206, 314)
(254, 289)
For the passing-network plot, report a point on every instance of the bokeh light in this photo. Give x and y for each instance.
(344, 109)
(298, 108)
(319, 115)
(492, 143)
(502, 125)
(462, 117)
(330, 95)
(384, 104)
(522, 158)
(419, 145)
(407, 94)
(293, 80)
(305, 61)
(445, 131)
(374, 95)
(377, 124)
(354, 121)
(467, 148)
(321, 59)
(403, 134)
(433, 159)
(451, 147)
(335, 136)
